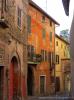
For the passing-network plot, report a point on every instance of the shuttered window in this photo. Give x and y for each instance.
(57, 59)
(43, 33)
(50, 36)
(44, 55)
(50, 23)
(29, 24)
(51, 58)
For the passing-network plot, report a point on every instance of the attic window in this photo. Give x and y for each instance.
(43, 18)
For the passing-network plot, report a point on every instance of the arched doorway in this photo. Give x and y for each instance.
(15, 79)
(30, 80)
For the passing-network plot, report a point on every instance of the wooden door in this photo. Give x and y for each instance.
(42, 84)
(57, 84)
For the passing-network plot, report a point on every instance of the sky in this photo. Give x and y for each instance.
(55, 9)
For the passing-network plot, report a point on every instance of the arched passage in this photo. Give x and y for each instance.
(15, 79)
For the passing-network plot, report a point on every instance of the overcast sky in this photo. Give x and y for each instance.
(55, 9)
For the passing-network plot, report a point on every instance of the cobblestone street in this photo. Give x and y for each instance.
(50, 98)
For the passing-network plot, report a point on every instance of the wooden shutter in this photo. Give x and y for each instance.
(43, 33)
(50, 36)
(29, 24)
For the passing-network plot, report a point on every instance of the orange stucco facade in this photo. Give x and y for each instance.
(35, 38)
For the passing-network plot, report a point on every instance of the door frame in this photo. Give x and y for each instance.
(44, 83)
(3, 77)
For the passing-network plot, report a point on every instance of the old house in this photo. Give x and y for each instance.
(62, 65)
(13, 49)
(41, 49)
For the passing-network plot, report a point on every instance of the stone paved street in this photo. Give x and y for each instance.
(50, 98)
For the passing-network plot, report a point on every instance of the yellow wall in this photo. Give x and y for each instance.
(62, 48)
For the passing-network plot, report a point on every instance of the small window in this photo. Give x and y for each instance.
(50, 23)
(30, 49)
(51, 58)
(43, 33)
(19, 17)
(57, 59)
(44, 55)
(29, 24)
(56, 43)
(50, 36)
(43, 19)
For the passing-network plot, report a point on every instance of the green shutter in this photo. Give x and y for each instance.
(43, 33)
(29, 24)
(50, 36)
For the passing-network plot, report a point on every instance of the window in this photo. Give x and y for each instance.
(56, 43)
(50, 36)
(5, 4)
(51, 58)
(57, 59)
(29, 24)
(30, 49)
(50, 23)
(43, 19)
(19, 17)
(44, 55)
(43, 33)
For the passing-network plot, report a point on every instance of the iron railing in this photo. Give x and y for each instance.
(32, 57)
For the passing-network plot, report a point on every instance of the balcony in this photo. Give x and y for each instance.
(34, 58)
(3, 22)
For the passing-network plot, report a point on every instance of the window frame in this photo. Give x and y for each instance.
(29, 24)
(57, 59)
(51, 37)
(50, 23)
(19, 19)
(43, 33)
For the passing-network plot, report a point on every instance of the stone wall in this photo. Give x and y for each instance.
(14, 42)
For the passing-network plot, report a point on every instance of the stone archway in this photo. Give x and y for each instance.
(15, 79)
